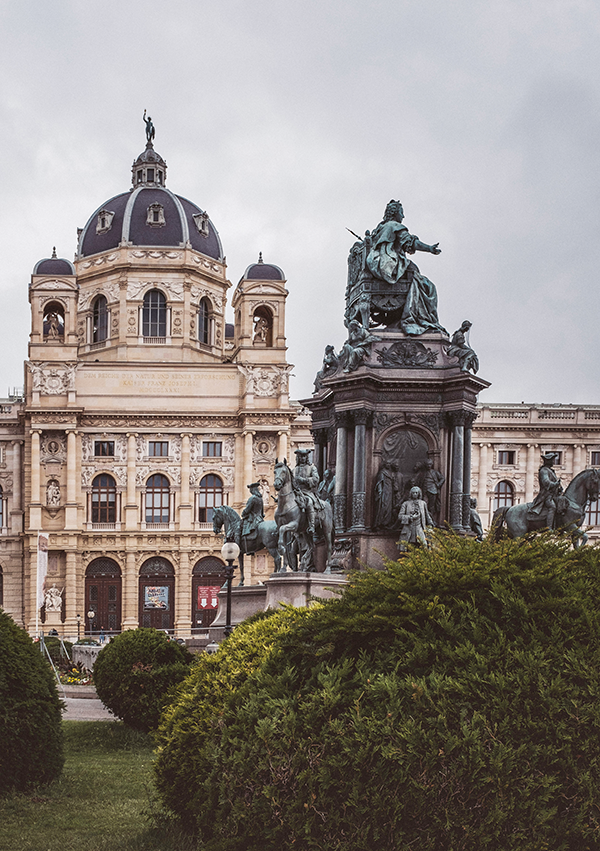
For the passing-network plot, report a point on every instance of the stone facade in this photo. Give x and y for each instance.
(142, 409)
(508, 441)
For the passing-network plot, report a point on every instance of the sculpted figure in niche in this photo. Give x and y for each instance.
(430, 481)
(53, 493)
(262, 327)
(386, 496)
(414, 519)
(52, 330)
(53, 599)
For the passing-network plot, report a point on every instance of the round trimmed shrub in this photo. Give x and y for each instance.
(31, 744)
(136, 672)
(450, 701)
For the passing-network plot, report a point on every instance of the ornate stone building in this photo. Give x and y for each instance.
(143, 410)
(508, 441)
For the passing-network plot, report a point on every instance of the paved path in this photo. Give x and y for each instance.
(86, 709)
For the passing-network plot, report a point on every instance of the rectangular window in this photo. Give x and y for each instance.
(212, 449)
(506, 456)
(595, 459)
(558, 459)
(158, 448)
(150, 175)
(104, 448)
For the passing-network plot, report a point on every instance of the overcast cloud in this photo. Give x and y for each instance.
(289, 122)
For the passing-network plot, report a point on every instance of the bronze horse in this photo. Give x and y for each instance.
(584, 487)
(291, 522)
(267, 534)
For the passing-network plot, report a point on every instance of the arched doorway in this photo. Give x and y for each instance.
(103, 595)
(208, 576)
(157, 594)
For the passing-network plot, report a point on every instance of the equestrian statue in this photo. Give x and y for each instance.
(301, 515)
(251, 532)
(552, 508)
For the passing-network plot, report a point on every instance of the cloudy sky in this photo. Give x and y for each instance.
(290, 122)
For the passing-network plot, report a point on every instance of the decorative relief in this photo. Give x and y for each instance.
(110, 289)
(203, 261)
(146, 422)
(157, 255)
(141, 474)
(52, 380)
(203, 292)
(407, 353)
(132, 320)
(177, 330)
(120, 474)
(260, 381)
(53, 285)
(272, 304)
(87, 474)
(99, 261)
(53, 447)
(225, 473)
(264, 447)
(266, 289)
(175, 474)
(6, 481)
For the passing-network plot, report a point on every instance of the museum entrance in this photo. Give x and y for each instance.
(103, 596)
(157, 594)
(207, 578)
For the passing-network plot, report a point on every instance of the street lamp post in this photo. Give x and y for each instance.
(229, 551)
(91, 615)
(78, 627)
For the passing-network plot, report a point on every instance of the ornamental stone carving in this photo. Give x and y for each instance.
(260, 381)
(53, 447)
(157, 255)
(52, 380)
(110, 289)
(203, 292)
(264, 447)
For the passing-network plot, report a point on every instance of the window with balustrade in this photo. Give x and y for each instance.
(210, 495)
(104, 499)
(154, 315)
(157, 500)
(100, 320)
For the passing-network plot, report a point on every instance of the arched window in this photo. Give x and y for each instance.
(154, 315)
(157, 499)
(210, 495)
(592, 513)
(100, 326)
(263, 327)
(504, 495)
(104, 499)
(54, 321)
(204, 311)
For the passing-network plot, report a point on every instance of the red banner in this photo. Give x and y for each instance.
(207, 596)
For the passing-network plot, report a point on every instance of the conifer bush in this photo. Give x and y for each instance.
(31, 744)
(136, 672)
(451, 701)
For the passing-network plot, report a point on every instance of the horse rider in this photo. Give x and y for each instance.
(306, 481)
(252, 516)
(548, 501)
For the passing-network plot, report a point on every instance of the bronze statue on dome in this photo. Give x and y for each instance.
(150, 131)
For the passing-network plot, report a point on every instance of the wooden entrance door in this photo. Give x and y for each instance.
(103, 596)
(157, 594)
(207, 578)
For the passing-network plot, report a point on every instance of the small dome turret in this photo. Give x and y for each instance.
(262, 271)
(54, 265)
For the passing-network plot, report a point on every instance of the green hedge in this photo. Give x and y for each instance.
(449, 702)
(31, 745)
(135, 673)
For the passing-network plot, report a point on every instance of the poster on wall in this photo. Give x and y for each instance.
(208, 596)
(156, 597)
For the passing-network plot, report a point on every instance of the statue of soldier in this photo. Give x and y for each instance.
(306, 482)
(430, 481)
(548, 501)
(475, 520)
(252, 516)
(326, 489)
(414, 518)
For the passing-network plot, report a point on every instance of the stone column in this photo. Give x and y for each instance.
(71, 504)
(131, 508)
(183, 589)
(530, 471)
(35, 508)
(16, 513)
(185, 507)
(457, 421)
(71, 592)
(130, 587)
(466, 501)
(248, 470)
(578, 465)
(359, 470)
(482, 501)
(340, 496)
(282, 445)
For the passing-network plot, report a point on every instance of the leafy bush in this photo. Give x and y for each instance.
(55, 649)
(31, 745)
(214, 681)
(135, 672)
(450, 701)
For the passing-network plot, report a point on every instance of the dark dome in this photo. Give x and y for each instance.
(149, 216)
(262, 271)
(54, 265)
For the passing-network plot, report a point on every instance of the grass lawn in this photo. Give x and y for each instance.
(102, 801)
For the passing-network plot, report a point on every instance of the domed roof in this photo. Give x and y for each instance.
(54, 265)
(262, 271)
(149, 215)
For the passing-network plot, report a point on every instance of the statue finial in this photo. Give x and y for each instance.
(260, 260)
(54, 252)
(150, 131)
